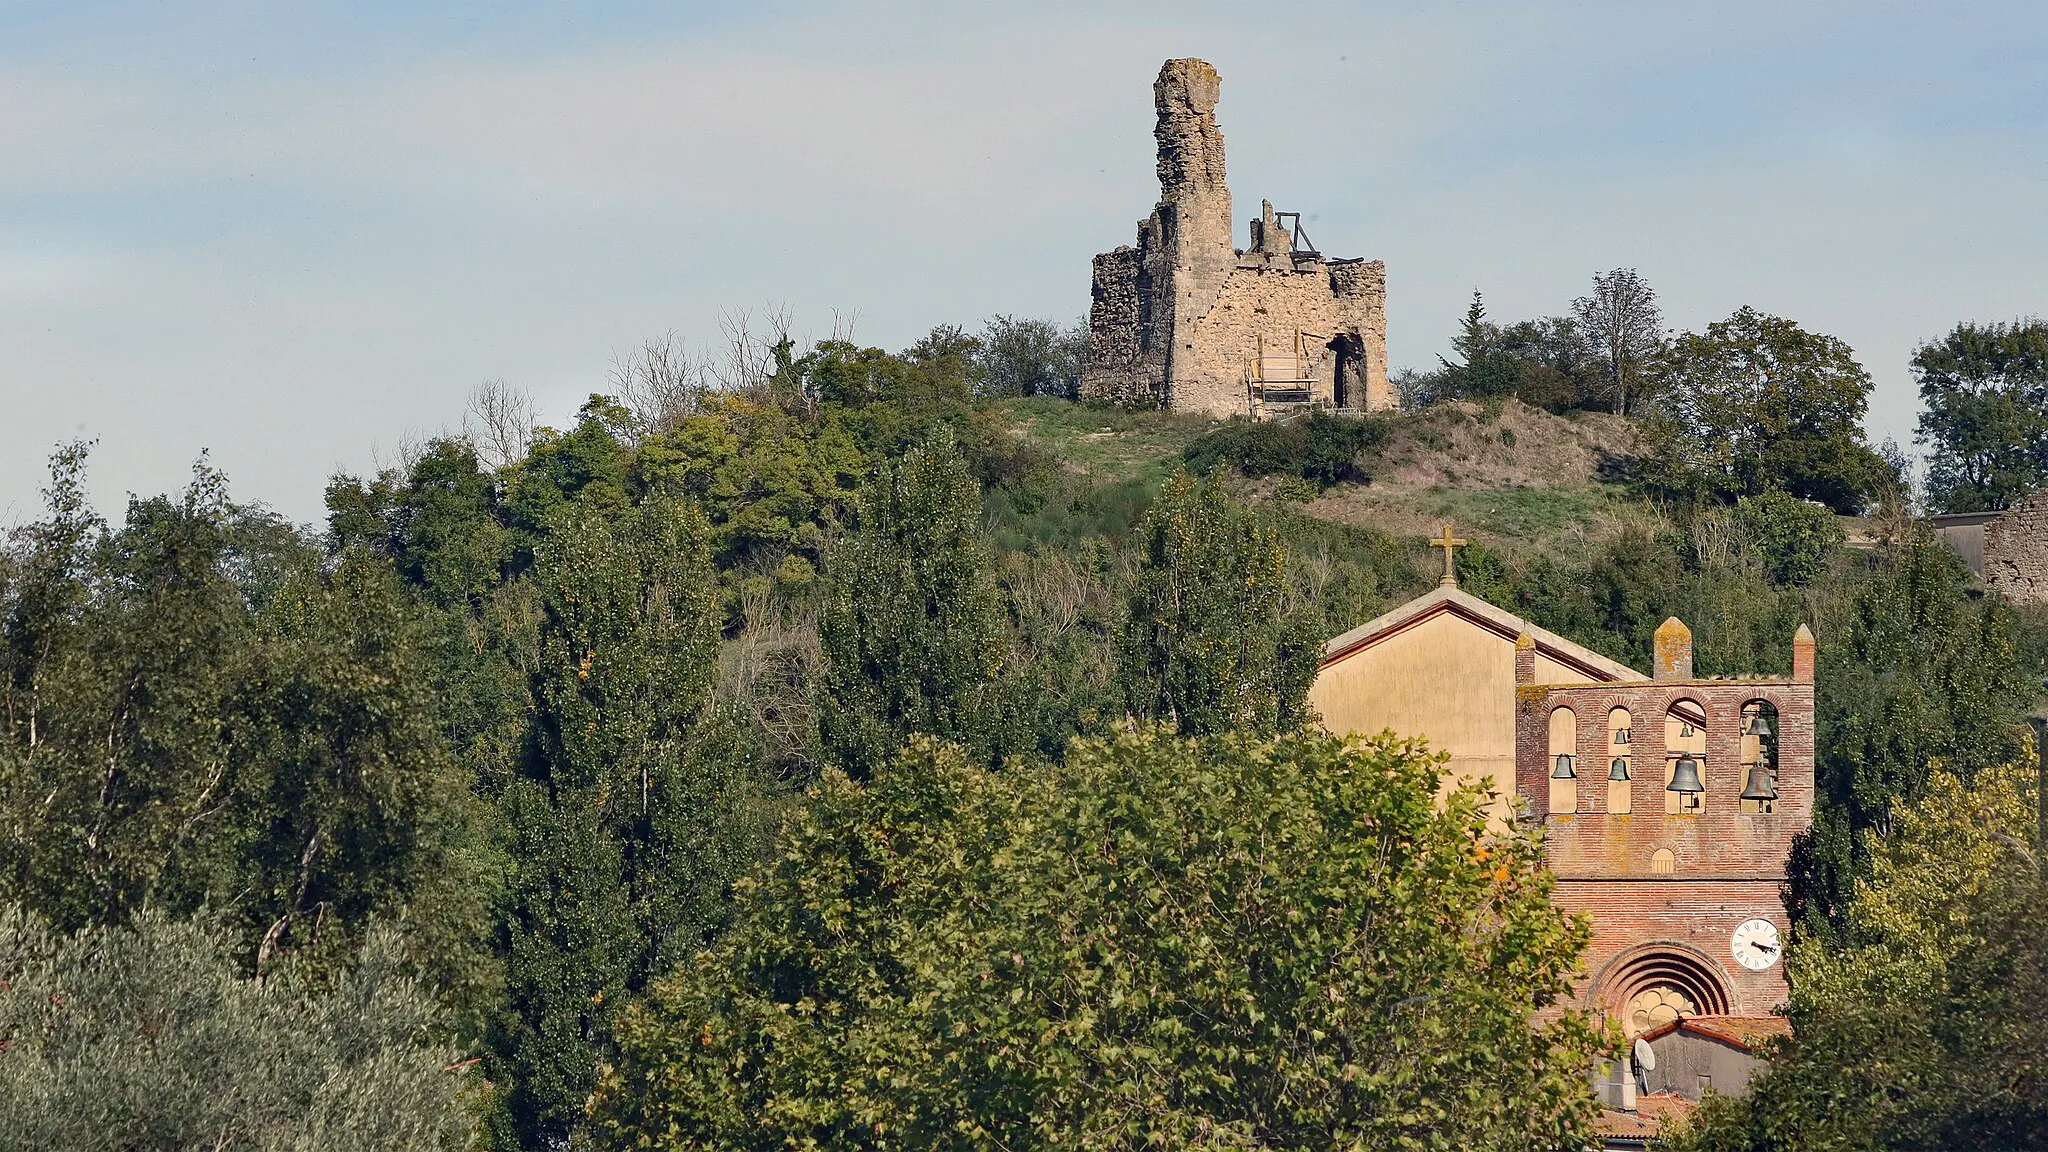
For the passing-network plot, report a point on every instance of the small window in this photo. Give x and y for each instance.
(1759, 756)
(1663, 862)
(1620, 768)
(1563, 760)
(1685, 759)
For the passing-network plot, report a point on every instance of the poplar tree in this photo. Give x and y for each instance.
(638, 806)
(1923, 677)
(914, 633)
(1211, 644)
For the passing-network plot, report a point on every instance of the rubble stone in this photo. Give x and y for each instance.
(1177, 320)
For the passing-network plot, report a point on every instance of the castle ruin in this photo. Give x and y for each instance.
(1186, 321)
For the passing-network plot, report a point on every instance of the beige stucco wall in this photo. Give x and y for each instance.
(1445, 679)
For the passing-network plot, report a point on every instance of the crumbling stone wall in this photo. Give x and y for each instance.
(2016, 551)
(1174, 320)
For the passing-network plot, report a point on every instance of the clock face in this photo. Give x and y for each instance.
(1755, 944)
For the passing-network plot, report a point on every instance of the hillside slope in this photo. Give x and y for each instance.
(1509, 471)
(1516, 475)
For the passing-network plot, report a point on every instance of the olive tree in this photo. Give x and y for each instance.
(152, 1036)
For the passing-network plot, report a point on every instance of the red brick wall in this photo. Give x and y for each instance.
(1729, 865)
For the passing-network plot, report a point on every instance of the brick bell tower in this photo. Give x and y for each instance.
(1669, 808)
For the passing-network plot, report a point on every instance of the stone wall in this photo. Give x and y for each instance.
(1265, 307)
(2016, 552)
(1123, 366)
(1173, 320)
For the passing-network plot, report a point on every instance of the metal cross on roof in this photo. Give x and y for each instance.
(1449, 544)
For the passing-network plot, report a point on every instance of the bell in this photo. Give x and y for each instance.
(1621, 735)
(1564, 770)
(1684, 730)
(1760, 786)
(1685, 777)
(1619, 769)
(1755, 725)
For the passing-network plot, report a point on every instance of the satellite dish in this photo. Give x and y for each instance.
(1645, 1056)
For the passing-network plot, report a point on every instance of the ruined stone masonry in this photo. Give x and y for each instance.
(2008, 550)
(1186, 321)
(2014, 560)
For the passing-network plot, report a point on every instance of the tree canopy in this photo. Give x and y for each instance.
(1757, 402)
(1922, 1025)
(152, 1035)
(1210, 644)
(1984, 415)
(1157, 941)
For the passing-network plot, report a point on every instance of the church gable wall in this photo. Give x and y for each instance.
(1442, 677)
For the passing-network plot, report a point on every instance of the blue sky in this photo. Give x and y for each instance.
(295, 234)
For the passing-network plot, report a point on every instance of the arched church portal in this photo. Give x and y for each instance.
(1657, 983)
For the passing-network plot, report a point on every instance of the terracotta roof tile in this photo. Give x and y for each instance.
(1743, 1032)
(1652, 1112)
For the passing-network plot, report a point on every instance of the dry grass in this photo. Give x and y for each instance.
(1518, 476)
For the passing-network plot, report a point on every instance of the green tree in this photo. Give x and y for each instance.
(1555, 368)
(1756, 402)
(1211, 645)
(913, 630)
(1158, 942)
(1794, 537)
(1920, 677)
(1488, 369)
(201, 714)
(588, 466)
(771, 483)
(152, 1036)
(1622, 325)
(1921, 1024)
(441, 523)
(123, 652)
(346, 798)
(1984, 418)
(1021, 357)
(636, 809)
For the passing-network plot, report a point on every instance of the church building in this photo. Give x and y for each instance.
(1669, 802)
(1442, 666)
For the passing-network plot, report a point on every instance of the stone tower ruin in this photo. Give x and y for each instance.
(1187, 321)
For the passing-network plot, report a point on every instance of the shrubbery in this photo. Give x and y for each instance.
(153, 1036)
(1320, 448)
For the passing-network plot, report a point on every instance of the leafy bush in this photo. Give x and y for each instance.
(1794, 537)
(1321, 449)
(1923, 1025)
(151, 1037)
